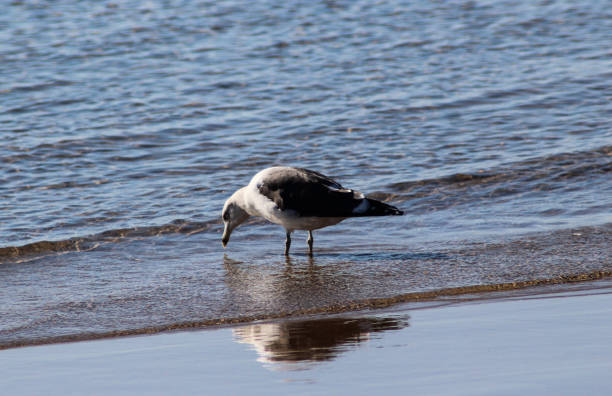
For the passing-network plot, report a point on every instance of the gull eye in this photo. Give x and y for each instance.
(226, 216)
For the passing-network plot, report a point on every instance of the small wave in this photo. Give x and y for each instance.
(91, 242)
(463, 293)
(552, 173)
(36, 87)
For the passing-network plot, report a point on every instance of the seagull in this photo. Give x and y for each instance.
(297, 199)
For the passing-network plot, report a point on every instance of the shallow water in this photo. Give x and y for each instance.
(125, 126)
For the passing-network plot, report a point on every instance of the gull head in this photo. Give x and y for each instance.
(233, 215)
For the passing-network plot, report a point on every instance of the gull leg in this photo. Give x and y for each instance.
(287, 243)
(310, 241)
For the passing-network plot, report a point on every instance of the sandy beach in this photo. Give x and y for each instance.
(543, 340)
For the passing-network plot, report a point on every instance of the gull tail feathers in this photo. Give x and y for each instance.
(378, 208)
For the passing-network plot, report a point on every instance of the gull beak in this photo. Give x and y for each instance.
(226, 235)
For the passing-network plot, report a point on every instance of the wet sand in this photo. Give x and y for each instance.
(140, 287)
(543, 340)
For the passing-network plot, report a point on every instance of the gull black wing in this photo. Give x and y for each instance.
(312, 194)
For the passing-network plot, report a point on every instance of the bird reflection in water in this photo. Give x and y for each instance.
(294, 344)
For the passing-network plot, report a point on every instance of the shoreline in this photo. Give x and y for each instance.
(425, 299)
(557, 339)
